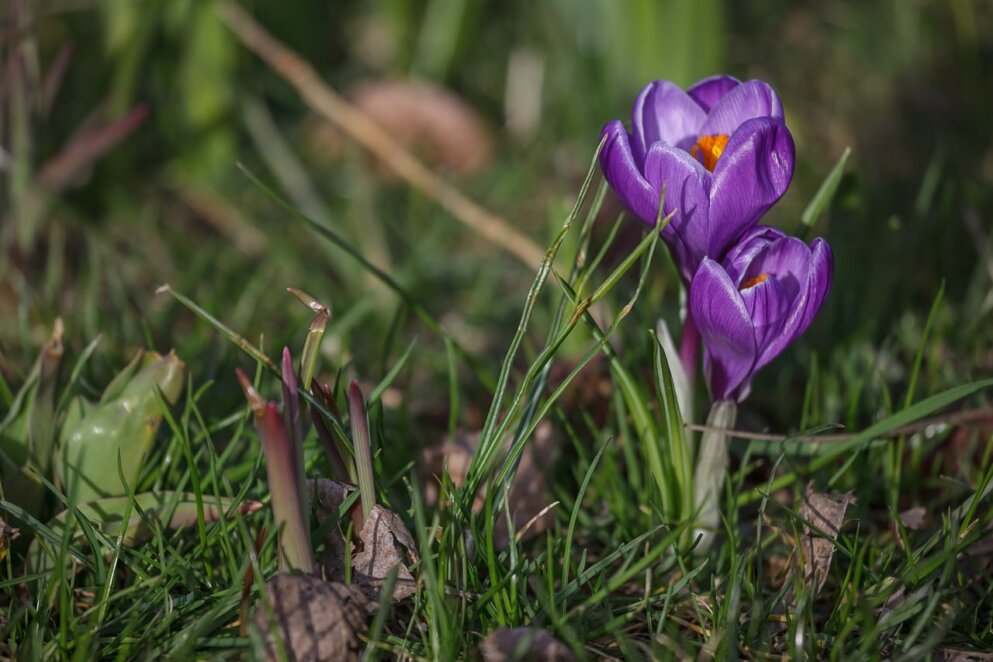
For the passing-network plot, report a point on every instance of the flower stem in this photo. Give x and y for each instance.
(689, 347)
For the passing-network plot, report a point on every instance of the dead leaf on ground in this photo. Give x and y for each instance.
(983, 548)
(312, 619)
(382, 543)
(533, 644)
(827, 513)
(385, 542)
(7, 535)
(527, 499)
(327, 497)
(960, 655)
(913, 518)
(433, 122)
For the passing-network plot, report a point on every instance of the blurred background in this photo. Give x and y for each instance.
(122, 124)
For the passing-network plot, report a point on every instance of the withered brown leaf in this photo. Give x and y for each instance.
(524, 643)
(312, 620)
(381, 543)
(827, 513)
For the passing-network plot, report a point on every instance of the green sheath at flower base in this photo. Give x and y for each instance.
(120, 428)
(295, 554)
(711, 469)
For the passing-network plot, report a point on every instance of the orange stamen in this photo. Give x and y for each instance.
(752, 282)
(708, 149)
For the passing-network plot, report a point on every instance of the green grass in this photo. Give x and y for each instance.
(447, 334)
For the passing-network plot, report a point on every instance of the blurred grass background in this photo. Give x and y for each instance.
(906, 83)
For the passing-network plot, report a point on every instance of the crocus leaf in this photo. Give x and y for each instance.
(362, 443)
(27, 435)
(826, 192)
(315, 333)
(120, 381)
(670, 408)
(120, 427)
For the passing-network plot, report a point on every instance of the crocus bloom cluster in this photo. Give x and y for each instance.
(718, 156)
(720, 149)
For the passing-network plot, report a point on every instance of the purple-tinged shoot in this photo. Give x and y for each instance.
(334, 449)
(295, 553)
(755, 303)
(293, 421)
(720, 150)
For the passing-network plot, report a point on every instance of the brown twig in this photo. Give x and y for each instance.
(337, 110)
(967, 416)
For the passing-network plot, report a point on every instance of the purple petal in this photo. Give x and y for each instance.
(710, 90)
(752, 174)
(624, 176)
(768, 305)
(744, 102)
(723, 321)
(741, 254)
(687, 184)
(813, 292)
(787, 258)
(664, 112)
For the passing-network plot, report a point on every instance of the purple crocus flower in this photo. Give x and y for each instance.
(751, 306)
(720, 148)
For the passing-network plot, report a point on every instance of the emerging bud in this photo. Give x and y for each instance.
(295, 553)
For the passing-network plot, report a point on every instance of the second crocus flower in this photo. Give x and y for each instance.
(721, 151)
(755, 303)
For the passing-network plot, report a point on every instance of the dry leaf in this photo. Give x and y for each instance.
(533, 644)
(7, 535)
(327, 496)
(527, 499)
(384, 540)
(913, 519)
(312, 619)
(959, 655)
(431, 121)
(382, 543)
(826, 512)
(455, 455)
